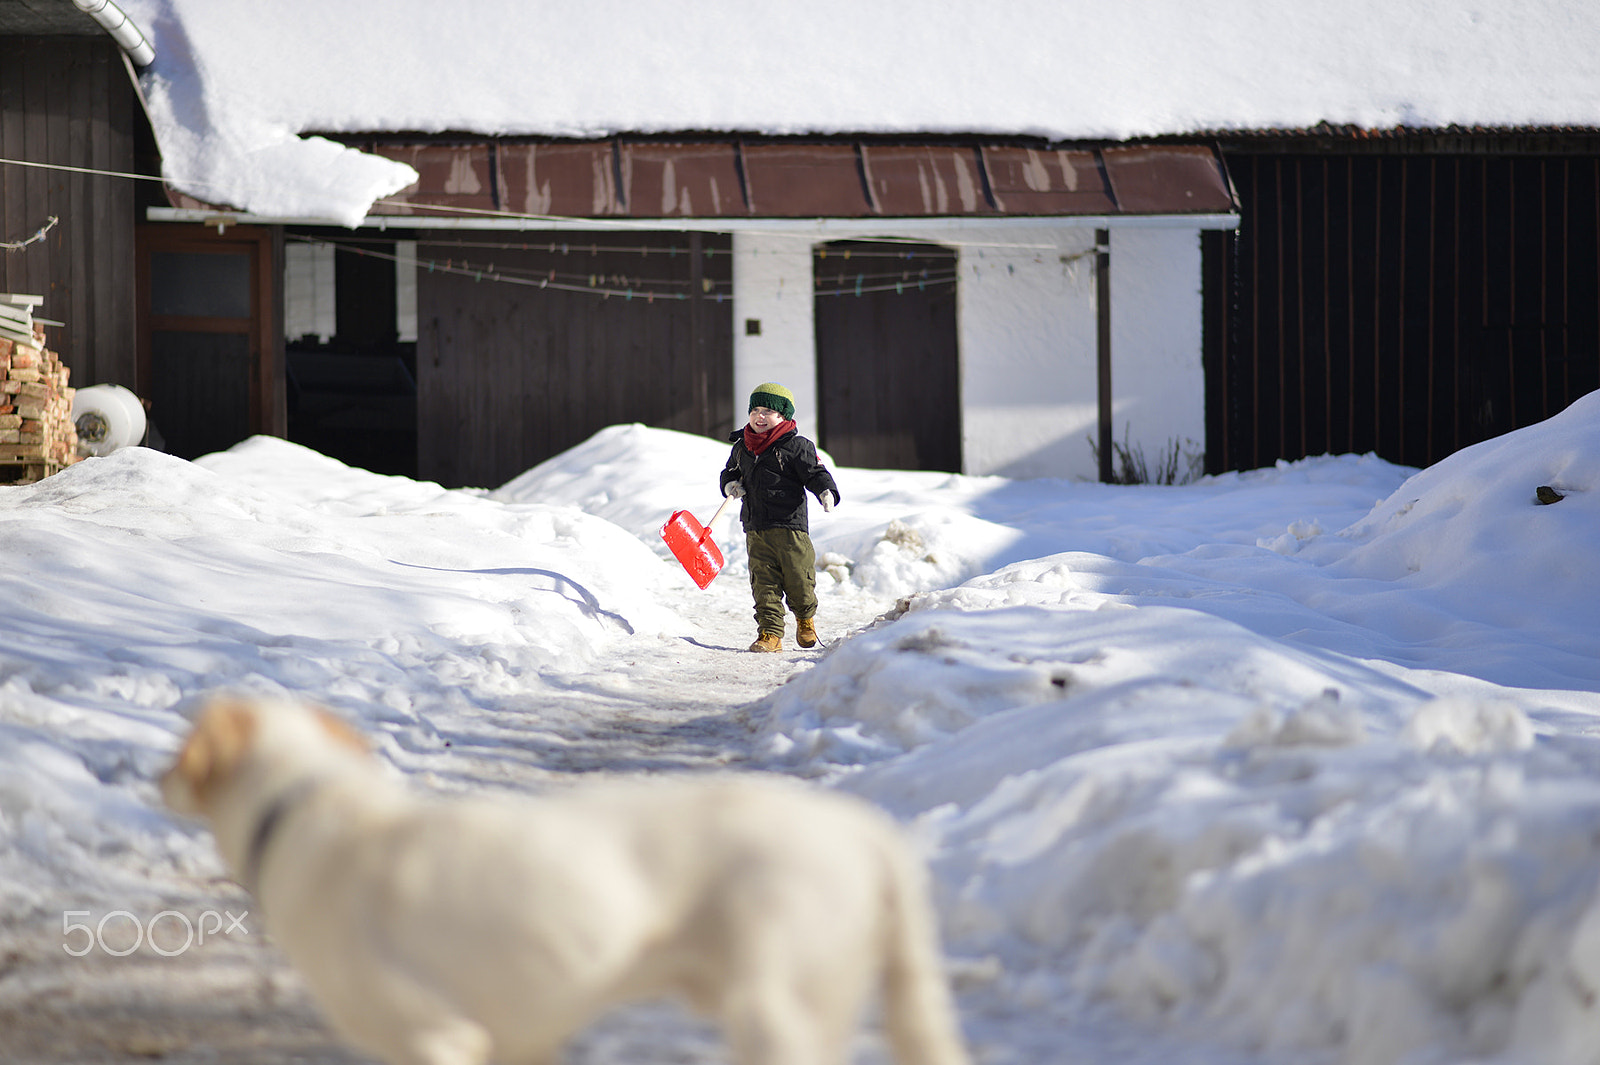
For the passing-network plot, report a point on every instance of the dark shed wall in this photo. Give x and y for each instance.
(69, 101)
(1408, 299)
(629, 327)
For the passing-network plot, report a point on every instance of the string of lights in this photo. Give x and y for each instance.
(18, 245)
(596, 284)
(859, 288)
(569, 247)
(606, 285)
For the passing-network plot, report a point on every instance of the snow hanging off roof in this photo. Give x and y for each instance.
(235, 83)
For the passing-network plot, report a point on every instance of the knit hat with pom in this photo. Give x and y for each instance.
(773, 396)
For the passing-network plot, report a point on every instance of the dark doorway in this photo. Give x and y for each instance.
(528, 346)
(887, 356)
(352, 394)
(207, 361)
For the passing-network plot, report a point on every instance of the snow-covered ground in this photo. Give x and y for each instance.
(1288, 766)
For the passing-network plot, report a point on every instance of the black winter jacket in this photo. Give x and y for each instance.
(775, 481)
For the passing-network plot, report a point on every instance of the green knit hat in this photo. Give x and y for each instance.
(773, 396)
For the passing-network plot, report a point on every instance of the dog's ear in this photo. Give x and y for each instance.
(222, 733)
(341, 731)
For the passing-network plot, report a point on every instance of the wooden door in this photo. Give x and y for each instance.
(208, 366)
(528, 346)
(887, 357)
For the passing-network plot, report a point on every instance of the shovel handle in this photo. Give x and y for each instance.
(707, 530)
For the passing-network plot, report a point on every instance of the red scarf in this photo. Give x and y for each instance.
(756, 442)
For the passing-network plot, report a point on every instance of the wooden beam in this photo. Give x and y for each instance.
(1102, 294)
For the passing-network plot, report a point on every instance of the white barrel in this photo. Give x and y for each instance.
(107, 417)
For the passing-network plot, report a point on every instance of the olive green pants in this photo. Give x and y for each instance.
(782, 564)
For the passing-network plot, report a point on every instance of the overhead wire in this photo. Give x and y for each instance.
(607, 285)
(626, 224)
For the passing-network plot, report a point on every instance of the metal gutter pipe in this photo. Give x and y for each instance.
(818, 228)
(121, 29)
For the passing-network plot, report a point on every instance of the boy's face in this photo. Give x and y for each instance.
(762, 418)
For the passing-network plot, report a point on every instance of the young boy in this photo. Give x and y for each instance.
(770, 468)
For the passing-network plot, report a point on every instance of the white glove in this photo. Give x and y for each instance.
(829, 500)
(734, 489)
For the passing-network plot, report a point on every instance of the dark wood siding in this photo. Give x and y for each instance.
(69, 101)
(887, 355)
(1403, 303)
(632, 327)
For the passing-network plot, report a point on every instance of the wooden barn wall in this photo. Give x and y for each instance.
(68, 100)
(510, 373)
(1408, 304)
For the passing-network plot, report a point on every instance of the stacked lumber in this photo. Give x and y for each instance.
(37, 437)
(16, 317)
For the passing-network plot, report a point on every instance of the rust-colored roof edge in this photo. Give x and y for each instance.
(663, 177)
(666, 177)
(185, 202)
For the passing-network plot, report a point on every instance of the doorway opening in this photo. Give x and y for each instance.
(888, 367)
(350, 352)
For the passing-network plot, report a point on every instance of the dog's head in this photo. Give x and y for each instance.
(235, 737)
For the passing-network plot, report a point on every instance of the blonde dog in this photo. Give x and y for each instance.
(452, 931)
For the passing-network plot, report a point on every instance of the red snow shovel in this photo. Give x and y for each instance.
(692, 543)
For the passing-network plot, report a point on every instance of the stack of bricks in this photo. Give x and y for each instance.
(37, 437)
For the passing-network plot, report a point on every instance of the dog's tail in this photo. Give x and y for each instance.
(919, 1012)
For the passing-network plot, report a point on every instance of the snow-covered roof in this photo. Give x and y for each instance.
(236, 83)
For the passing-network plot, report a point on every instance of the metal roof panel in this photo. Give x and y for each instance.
(684, 180)
(1036, 181)
(576, 180)
(457, 177)
(805, 181)
(1167, 179)
(910, 180)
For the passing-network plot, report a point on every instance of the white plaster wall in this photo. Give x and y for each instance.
(1027, 339)
(1026, 316)
(308, 305)
(405, 290)
(772, 285)
(1157, 379)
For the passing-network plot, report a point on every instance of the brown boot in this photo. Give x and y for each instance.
(805, 632)
(768, 641)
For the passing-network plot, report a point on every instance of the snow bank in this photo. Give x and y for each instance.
(1153, 809)
(139, 580)
(1459, 568)
(1178, 755)
(898, 533)
(1150, 785)
(631, 475)
(1471, 532)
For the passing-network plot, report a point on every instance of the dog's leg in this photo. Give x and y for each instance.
(770, 1024)
(461, 1043)
(401, 1023)
(919, 1012)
